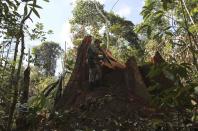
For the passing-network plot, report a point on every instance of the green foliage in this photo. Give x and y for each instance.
(124, 52)
(168, 22)
(69, 59)
(85, 13)
(193, 28)
(5, 96)
(39, 81)
(45, 57)
(178, 95)
(169, 26)
(122, 28)
(87, 18)
(77, 41)
(38, 104)
(38, 33)
(165, 28)
(11, 15)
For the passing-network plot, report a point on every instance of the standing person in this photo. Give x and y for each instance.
(95, 58)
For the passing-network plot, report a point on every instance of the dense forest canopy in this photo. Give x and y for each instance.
(164, 44)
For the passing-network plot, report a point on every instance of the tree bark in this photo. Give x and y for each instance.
(12, 81)
(21, 121)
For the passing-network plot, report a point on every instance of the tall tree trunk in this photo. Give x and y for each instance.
(21, 121)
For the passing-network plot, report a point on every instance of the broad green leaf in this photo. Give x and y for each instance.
(35, 12)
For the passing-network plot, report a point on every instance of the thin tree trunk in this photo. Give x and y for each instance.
(13, 81)
(15, 85)
(21, 121)
(2, 54)
(185, 7)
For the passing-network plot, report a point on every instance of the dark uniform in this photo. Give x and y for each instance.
(94, 59)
